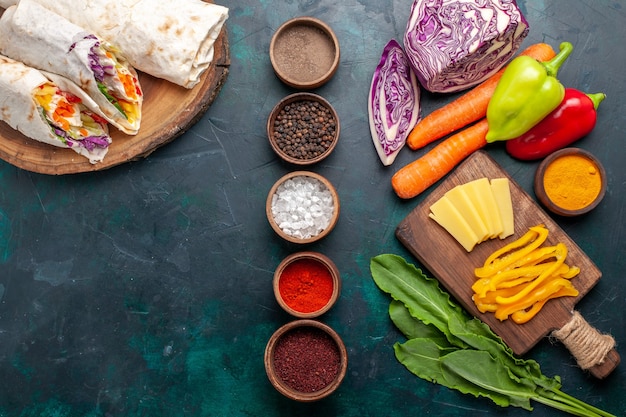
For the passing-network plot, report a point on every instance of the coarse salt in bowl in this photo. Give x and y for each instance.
(302, 207)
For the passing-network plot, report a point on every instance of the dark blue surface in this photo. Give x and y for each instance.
(145, 290)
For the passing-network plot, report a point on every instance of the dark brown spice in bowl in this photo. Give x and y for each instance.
(305, 360)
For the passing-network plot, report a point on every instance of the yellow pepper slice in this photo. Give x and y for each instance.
(492, 283)
(517, 280)
(490, 296)
(541, 293)
(504, 257)
(571, 273)
(525, 268)
(561, 253)
(524, 271)
(486, 307)
(523, 316)
(562, 270)
(537, 256)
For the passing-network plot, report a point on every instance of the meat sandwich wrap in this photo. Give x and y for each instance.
(39, 38)
(169, 39)
(49, 112)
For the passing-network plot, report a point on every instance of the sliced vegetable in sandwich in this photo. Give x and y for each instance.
(47, 112)
(169, 39)
(32, 34)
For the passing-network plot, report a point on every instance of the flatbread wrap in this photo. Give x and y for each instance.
(50, 113)
(169, 39)
(39, 38)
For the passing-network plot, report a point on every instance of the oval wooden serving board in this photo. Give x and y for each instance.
(168, 111)
(437, 250)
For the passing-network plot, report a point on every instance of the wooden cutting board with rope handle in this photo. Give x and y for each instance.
(446, 259)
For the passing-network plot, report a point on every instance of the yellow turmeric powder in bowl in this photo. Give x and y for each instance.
(570, 182)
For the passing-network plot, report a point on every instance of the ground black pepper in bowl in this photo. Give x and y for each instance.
(304, 52)
(303, 128)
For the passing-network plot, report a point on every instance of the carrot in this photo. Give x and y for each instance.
(420, 174)
(468, 108)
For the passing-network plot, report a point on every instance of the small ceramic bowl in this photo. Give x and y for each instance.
(296, 136)
(303, 195)
(306, 360)
(573, 181)
(313, 293)
(304, 52)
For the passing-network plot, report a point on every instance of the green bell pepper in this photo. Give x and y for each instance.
(527, 92)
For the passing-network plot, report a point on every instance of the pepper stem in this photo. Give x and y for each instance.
(552, 66)
(596, 99)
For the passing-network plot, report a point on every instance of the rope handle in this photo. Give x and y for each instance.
(592, 350)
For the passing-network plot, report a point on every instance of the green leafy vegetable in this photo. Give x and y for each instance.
(411, 327)
(105, 91)
(422, 297)
(447, 346)
(423, 358)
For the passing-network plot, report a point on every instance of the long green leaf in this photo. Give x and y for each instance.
(413, 328)
(426, 359)
(420, 294)
(491, 375)
(422, 357)
(480, 337)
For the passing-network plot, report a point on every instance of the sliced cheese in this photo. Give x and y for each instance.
(502, 195)
(448, 217)
(476, 211)
(459, 198)
(481, 195)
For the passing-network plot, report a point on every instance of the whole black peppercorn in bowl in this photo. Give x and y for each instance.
(303, 128)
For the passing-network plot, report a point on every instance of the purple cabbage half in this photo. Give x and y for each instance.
(393, 105)
(455, 44)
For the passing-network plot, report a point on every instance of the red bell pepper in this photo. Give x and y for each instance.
(574, 118)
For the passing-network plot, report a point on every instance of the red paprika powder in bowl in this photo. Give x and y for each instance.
(306, 360)
(306, 284)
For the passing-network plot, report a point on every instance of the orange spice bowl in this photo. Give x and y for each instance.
(305, 360)
(307, 284)
(575, 176)
(297, 190)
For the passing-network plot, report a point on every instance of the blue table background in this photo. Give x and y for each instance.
(145, 290)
